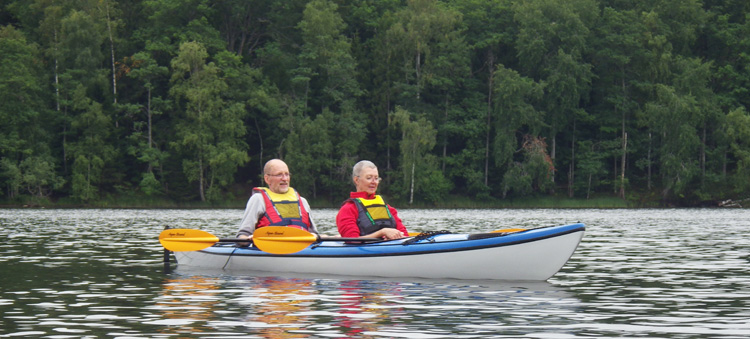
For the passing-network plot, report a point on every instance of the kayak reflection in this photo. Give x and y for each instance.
(187, 305)
(275, 307)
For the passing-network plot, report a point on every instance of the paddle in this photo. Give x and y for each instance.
(271, 239)
(180, 239)
(286, 240)
(506, 230)
(509, 230)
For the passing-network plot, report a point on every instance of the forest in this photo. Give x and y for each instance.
(184, 100)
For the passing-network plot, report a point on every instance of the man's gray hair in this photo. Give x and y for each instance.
(362, 165)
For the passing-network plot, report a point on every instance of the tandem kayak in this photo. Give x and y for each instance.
(528, 255)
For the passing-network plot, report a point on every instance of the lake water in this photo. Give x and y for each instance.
(666, 273)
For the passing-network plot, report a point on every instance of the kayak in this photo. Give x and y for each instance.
(529, 255)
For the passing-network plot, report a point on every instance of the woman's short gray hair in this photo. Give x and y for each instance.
(358, 167)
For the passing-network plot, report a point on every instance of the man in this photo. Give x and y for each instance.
(276, 205)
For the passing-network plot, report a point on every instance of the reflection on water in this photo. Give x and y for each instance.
(637, 273)
(299, 307)
(186, 305)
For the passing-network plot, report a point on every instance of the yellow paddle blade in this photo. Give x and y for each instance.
(179, 240)
(282, 239)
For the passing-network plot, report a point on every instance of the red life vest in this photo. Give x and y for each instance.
(280, 211)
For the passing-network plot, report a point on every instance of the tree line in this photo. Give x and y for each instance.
(185, 100)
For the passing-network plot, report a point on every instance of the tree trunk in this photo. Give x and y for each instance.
(419, 57)
(57, 106)
(624, 151)
(388, 120)
(490, 84)
(648, 182)
(88, 179)
(411, 190)
(572, 170)
(703, 157)
(388, 141)
(445, 137)
(150, 139)
(112, 54)
(624, 142)
(552, 157)
(200, 180)
(260, 144)
(614, 178)
(622, 165)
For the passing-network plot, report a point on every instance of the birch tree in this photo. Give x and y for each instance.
(417, 139)
(210, 130)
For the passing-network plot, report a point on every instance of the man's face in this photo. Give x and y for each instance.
(278, 178)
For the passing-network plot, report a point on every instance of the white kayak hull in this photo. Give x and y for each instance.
(532, 255)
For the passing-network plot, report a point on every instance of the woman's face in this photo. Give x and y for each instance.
(367, 180)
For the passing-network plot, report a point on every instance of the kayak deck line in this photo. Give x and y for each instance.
(256, 252)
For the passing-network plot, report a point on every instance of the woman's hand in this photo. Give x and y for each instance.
(388, 234)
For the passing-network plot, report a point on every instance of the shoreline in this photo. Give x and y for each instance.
(455, 203)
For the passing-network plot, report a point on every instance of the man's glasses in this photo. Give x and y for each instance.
(280, 175)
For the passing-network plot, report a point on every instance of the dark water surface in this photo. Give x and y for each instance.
(675, 273)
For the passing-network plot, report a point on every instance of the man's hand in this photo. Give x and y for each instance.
(242, 236)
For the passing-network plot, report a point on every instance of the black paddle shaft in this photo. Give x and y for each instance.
(319, 239)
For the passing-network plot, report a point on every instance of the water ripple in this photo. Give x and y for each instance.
(638, 273)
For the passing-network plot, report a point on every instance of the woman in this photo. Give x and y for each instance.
(365, 214)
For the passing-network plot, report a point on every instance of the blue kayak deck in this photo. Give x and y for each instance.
(437, 243)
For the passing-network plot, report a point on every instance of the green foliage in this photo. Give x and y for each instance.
(432, 184)
(515, 110)
(12, 177)
(20, 89)
(211, 128)
(327, 72)
(25, 158)
(738, 123)
(517, 180)
(591, 166)
(39, 176)
(309, 149)
(171, 99)
(91, 151)
(418, 138)
(149, 185)
(532, 175)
